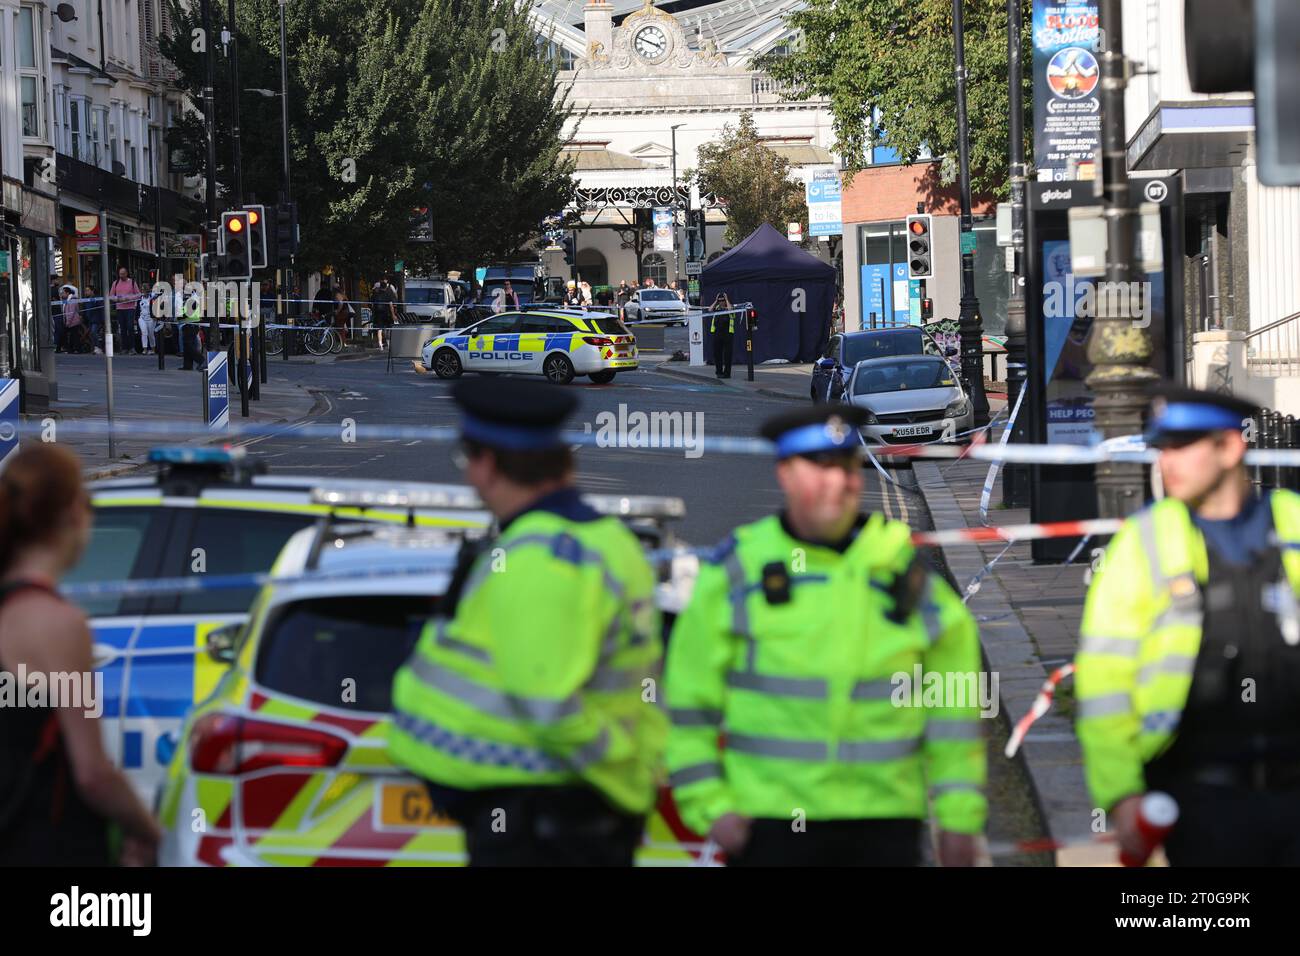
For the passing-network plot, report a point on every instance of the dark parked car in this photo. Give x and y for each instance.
(845, 350)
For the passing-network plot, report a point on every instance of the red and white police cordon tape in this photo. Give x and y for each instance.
(1042, 703)
(1019, 532)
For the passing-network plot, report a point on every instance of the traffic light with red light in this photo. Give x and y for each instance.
(920, 255)
(234, 260)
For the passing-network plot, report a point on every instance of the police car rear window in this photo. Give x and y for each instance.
(609, 326)
(232, 542)
(111, 555)
(316, 650)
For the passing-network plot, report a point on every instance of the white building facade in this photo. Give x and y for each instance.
(636, 72)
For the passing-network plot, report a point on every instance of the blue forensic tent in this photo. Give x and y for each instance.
(778, 277)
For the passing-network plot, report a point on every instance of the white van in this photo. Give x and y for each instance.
(428, 301)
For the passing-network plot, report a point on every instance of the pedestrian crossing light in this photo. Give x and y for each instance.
(234, 260)
(920, 264)
(257, 239)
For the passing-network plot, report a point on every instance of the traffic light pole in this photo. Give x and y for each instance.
(209, 123)
(972, 331)
(283, 274)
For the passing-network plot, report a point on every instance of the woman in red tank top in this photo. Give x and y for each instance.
(59, 790)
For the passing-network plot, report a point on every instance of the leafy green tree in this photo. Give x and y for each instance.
(393, 105)
(751, 180)
(887, 67)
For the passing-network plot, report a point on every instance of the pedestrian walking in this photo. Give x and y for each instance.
(723, 333)
(800, 632)
(93, 312)
(383, 298)
(76, 336)
(1188, 672)
(125, 296)
(525, 705)
(59, 788)
(148, 326)
(343, 313)
(59, 316)
(188, 314)
(584, 289)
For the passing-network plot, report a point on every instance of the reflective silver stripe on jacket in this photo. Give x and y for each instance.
(695, 716)
(447, 642)
(490, 701)
(1180, 665)
(954, 786)
(739, 612)
(953, 730)
(1183, 590)
(882, 689)
(776, 747)
(1117, 646)
(694, 774)
(871, 751)
(616, 678)
(808, 687)
(1106, 705)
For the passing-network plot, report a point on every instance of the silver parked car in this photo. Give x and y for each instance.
(650, 304)
(911, 398)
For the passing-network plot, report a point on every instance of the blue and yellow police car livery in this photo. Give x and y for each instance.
(208, 517)
(558, 344)
(287, 761)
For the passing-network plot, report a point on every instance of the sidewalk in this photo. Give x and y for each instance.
(1029, 622)
(141, 393)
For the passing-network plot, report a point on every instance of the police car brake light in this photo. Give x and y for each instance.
(637, 506)
(196, 456)
(452, 497)
(228, 744)
(597, 340)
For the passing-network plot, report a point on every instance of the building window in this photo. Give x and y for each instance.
(76, 123)
(99, 126)
(654, 266)
(554, 51)
(29, 72)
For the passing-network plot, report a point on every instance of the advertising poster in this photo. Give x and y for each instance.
(823, 196)
(1067, 87)
(663, 223)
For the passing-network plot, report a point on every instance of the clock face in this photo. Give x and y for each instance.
(651, 43)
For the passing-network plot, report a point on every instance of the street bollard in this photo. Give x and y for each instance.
(1265, 440)
(749, 342)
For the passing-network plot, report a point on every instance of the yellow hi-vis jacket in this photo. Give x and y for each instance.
(816, 696)
(546, 674)
(1140, 636)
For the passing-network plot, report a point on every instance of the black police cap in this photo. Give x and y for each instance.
(513, 413)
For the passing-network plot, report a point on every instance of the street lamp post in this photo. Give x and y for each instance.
(677, 258)
(282, 278)
(972, 330)
(1119, 348)
(1015, 478)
